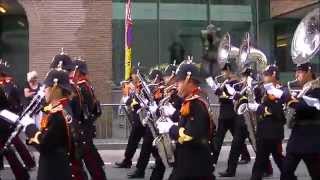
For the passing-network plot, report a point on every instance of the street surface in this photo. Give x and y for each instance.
(110, 156)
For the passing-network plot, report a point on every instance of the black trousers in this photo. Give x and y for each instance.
(93, 161)
(292, 160)
(265, 147)
(239, 132)
(24, 153)
(146, 150)
(17, 168)
(136, 134)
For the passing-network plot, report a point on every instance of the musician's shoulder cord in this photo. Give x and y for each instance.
(67, 120)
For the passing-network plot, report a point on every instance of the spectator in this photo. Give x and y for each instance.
(32, 86)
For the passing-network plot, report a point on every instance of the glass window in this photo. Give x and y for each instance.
(168, 30)
(14, 42)
(180, 24)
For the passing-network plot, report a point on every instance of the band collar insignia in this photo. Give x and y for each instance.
(185, 108)
(194, 94)
(81, 81)
(56, 106)
(193, 97)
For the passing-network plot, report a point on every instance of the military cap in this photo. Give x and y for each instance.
(247, 71)
(62, 61)
(270, 70)
(227, 66)
(188, 69)
(59, 78)
(81, 65)
(304, 67)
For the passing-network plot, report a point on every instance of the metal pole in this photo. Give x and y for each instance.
(257, 22)
(158, 31)
(208, 12)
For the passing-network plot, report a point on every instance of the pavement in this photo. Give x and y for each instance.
(111, 156)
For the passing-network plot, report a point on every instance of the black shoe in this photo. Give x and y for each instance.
(123, 164)
(244, 161)
(227, 174)
(266, 175)
(136, 174)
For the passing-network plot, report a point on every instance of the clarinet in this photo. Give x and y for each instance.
(30, 110)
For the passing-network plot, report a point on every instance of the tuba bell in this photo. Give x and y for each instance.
(226, 52)
(249, 55)
(306, 39)
(305, 45)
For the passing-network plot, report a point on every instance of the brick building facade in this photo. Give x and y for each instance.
(82, 27)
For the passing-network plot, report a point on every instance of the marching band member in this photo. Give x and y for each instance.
(270, 124)
(240, 99)
(169, 78)
(53, 139)
(8, 101)
(304, 143)
(63, 62)
(229, 120)
(91, 110)
(194, 130)
(147, 148)
(137, 130)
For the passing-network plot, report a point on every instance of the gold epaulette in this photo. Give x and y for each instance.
(35, 138)
(81, 82)
(266, 112)
(243, 98)
(183, 137)
(51, 109)
(224, 95)
(294, 100)
(192, 97)
(134, 102)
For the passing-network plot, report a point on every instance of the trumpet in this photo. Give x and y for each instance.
(294, 92)
(309, 85)
(34, 107)
(217, 78)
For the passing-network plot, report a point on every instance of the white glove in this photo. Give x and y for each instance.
(273, 91)
(153, 108)
(168, 109)
(144, 103)
(26, 121)
(8, 116)
(230, 90)
(253, 106)
(164, 126)
(249, 81)
(211, 83)
(313, 102)
(124, 99)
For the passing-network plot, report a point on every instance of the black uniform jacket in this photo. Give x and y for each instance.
(305, 133)
(9, 99)
(88, 129)
(193, 153)
(226, 102)
(271, 119)
(52, 140)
